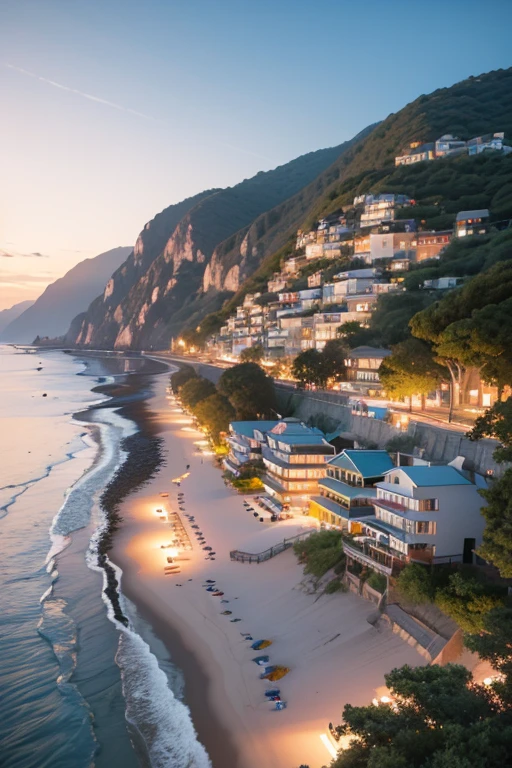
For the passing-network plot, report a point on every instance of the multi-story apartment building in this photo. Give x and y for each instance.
(390, 244)
(347, 491)
(380, 209)
(245, 440)
(295, 458)
(425, 514)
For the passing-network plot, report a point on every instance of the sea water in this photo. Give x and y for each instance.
(77, 688)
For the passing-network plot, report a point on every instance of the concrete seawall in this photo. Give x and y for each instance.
(330, 412)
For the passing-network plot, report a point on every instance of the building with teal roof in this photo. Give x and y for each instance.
(422, 514)
(347, 491)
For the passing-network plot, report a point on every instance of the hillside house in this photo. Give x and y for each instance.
(379, 209)
(424, 514)
(416, 153)
(488, 142)
(472, 222)
(449, 145)
(430, 245)
(386, 246)
(443, 283)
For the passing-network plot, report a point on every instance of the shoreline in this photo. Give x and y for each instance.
(144, 460)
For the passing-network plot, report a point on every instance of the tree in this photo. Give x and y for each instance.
(415, 584)
(249, 390)
(196, 389)
(334, 354)
(467, 601)
(309, 368)
(253, 354)
(410, 370)
(215, 413)
(464, 331)
(494, 644)
(496, 422)
(496, 547)
(180, 377)
(439, 719)
(354, 334)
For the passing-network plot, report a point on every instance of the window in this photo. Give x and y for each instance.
(426, 526)
(428, 505)
(396, 480)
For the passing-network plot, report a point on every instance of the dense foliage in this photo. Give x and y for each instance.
(320, 552)
(439, 718)
(249, 390)
(410, 370)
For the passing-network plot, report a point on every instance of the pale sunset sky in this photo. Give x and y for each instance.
(113, 109)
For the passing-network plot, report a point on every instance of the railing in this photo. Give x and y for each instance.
(260, 557)
(359, 554)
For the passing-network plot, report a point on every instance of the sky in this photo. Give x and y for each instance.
(111, 110)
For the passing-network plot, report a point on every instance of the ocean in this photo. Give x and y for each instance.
(79, 689)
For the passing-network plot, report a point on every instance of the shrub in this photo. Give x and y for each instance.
(320, 552)
(377, 581)
(415, 584)
(247, 484)
(335, 585)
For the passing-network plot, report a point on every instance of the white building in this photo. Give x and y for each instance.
(379, 209)
(425, 514)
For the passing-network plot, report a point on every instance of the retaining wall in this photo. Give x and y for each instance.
(331, 412)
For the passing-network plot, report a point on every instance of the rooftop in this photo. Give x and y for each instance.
(423, 477)
(247, 428)
(482, 213)
(369, 352)
(365, 463)
(347, 491)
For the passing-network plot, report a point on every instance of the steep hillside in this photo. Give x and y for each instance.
(51, 314)
(237, 258)
(8, 315)
(472, 107)
(143, 307)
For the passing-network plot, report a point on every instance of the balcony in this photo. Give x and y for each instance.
(363, 553)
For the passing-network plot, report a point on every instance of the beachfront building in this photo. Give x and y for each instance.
(295, 458)
(245, 439)
(347, 491)
(423, 514)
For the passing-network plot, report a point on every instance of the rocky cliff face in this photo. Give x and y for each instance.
(166, 282)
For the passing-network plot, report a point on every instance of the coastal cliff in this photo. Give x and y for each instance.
(163, 286)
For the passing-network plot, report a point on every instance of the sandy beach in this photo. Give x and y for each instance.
(335, 656)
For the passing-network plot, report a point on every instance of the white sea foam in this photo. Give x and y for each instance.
(162, 720)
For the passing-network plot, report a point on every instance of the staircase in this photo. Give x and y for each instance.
(260, 557)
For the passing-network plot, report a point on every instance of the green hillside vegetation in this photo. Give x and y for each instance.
(440, 188)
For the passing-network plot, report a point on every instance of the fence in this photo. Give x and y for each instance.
(260, 557)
